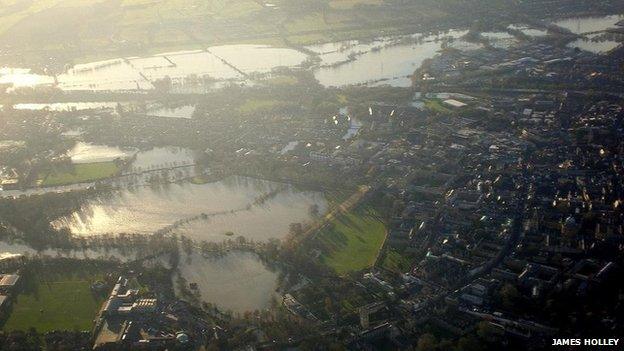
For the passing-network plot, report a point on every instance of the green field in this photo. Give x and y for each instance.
(353, 240)
(436, 105)
(49, 301)
(80, 173)
(395, 261)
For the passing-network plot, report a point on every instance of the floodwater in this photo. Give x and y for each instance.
(258, 58)
(253, 208)
(463, 45)
(339, 52)
(238, 281)
(592, 24)
(66, 106)
(89, 153)
(8, 250)
(530, 31)
(590, 28)
(592, 45)
(21, 77)
(161, 158)
(185, 111)
(148, 161)
(46, 190)
(500, 40)
(389, 63)
(221, 63)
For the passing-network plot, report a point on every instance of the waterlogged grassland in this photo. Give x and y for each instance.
(80, 173)
(352, 241)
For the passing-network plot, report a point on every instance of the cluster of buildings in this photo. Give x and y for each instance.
(509, 202)
(128, 321)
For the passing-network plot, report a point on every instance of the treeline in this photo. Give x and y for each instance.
(28, 218)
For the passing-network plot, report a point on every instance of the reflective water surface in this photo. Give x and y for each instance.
(238, 281)
(253, 208)
(582, 25)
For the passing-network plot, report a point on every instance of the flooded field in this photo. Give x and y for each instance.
(530, 31)
(160, 158)
(258, 58)
(584, 25)
(591, 28)
(500, 40)
(88, 153)
(387, 62)
(592, 44)
(220, 63)
(256, 209)
(66, 106)
(238, 281)
(22, 77)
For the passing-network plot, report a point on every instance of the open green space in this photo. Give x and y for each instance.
(436, 105)
(352, 241)
(396, 261)
(61, 300)
(80, 173)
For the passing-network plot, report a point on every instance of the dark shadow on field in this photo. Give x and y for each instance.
(334, 240)
(29, 285)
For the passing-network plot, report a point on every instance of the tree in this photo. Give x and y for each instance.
(427, 342)
(486, 331)
(314, 210)
(509, 295)
(469, 343)
(329, 305)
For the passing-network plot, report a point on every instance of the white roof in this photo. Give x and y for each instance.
(454, 103)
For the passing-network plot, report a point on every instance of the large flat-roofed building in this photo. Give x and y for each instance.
(8, 282)
(128, 321)
(454, 103)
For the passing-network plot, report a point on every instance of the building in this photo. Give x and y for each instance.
(8, 282)
(130, 322)
(454, 103)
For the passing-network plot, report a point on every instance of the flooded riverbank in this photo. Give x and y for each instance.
(253, 208)
(237, 281)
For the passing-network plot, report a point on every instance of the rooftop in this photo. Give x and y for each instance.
(8, 280)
